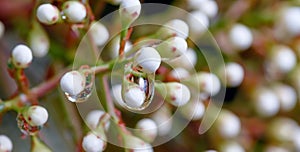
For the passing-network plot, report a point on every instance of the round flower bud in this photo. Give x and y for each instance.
(208, 83)
(134, 97)
(282, 129)
(208, 7)
(290, 22)
(180, 73)
(129, 11)
(2, 29)
(193, 110)
(72, 82)
(148, 59)
(241, 37)
(92, 119)
(231, 146)
(198, 22)
(5, 144)
(47, 14)
(177, 94)
(281, 60)
(135, 144)
(234, 74)
(187, 60)
(21, 56)
(74, 11)
(287, 96)
(93, 143)
(38, 41)
(266, 102)
(146, 129)
(99, 33)
(36, 115)
(163, 120)
(228, 124)
(172, 28)
(172, 48)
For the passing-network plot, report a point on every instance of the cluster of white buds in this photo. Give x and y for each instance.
(93, 143)
(187, 60)
(74, 11)
(2, 29)
(287, 96)
(281, 60)
(208, 7)
(228, 125)
(36, 115)
(172, 48)
(173, 28)
(129, 11)
(95, 117)
(266, 102)
(231, 146)
(135, 144)
(48, 14)
(240, 37)
(38, 41)
(175, 93)
(208, 83)
(193, 110)
(99, 33)
(234, 74)
(146, 129)
(163, 120)
(5, 144)
(288, 24)
(282, 129)
(198, 22)
(148, 59)
(72, 82)
(21, 56)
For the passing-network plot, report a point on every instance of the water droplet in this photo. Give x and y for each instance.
(25, 127)
(86, 71)
(137, 88)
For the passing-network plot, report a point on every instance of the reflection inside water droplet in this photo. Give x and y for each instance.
(25, 127)
(86, 71)
(140, 87)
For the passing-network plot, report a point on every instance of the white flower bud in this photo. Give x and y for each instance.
(208, 83)
(163, 120)
(99, 33)
(93, 143)
(289, 21)
(74, 11)
(177, 94)
(172, 48)
(21, 56)
(2, 29)
(187, 60)
(172, 28)
(93, 118)
(234, 74)
(38, 41)
(180, 73)
(148, 59)
(117, 94)
(136, 144)
(47, 14)
(114, 47)
(129, 11)
(134, 97)
(198, 22)
(146, 129)
(241, 37)
(36, 115)
(287, 96)
(282, 129)
(281, 60)
(5, 144)
(228, 124)
(72, 82)
(231, 146)
(266, 102)
(208, 7)
(193, 110)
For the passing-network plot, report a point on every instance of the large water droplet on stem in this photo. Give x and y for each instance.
(89, 76)
(137, 88)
